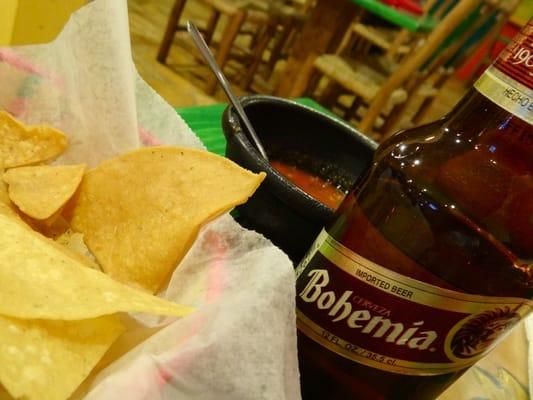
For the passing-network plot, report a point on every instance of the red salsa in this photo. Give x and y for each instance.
(315, 186)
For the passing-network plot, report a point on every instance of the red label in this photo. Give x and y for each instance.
(516, 60)
(382, 319)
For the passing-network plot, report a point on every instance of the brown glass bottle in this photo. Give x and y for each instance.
(449, 204)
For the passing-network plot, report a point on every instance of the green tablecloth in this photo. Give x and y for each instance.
(205, 122)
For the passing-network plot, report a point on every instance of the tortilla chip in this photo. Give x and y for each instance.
(42, 359)
(4, 197)
(141, 212)
(73, 242)
(135, 333)
(4, 395)
(6, 206)
(52, 227)
(24, 145)
(38, 279)
(41, 191)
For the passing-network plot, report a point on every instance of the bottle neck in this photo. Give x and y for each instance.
(503, 94)
(474, 107)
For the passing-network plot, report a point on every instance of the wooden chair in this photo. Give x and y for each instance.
(355, 68)
(359, 80)
(285, 20)
(238, 13)
(358, 71)
(494, 37)
(397, 43)
(425, 85)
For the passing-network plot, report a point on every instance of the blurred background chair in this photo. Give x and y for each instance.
(372, 54)
(498, 36)
(483, 24)
(285, 21)
(378, 65)
(370, 51)
(243, 17)
(253, 37)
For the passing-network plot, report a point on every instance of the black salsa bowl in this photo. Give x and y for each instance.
(297, 135)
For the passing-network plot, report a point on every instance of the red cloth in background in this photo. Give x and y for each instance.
(411, 6)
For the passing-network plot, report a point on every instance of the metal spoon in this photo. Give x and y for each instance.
(208, 56)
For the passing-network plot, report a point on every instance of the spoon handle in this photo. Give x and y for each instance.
(208, 56)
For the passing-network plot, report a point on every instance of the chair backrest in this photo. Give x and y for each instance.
(418, 58)
(483, 24)
(395, 42)
(487, 37)
(302, 5)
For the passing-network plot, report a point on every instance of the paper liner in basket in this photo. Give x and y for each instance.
(241, 343)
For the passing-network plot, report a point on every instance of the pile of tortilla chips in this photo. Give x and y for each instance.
(79, 249)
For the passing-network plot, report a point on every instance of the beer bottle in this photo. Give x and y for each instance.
(429, 261)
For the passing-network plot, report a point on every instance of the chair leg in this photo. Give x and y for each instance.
(260, 47)
(228, 38)
(391, 120)
(421, 113)
(400, 38)
(312, 84)
(256, 36)
(211, 26)
(278, 47)
(352, 111)
(172, 25)
(330, 94)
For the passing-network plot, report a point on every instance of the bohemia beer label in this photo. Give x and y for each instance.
(382, 319)
(509, 81)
